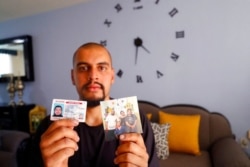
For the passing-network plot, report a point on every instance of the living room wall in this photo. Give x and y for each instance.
(213, 68)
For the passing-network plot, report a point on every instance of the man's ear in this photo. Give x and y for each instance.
(72, 77)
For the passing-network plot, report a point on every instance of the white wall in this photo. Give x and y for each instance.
(213, 70)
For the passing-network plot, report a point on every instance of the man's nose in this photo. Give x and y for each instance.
(93, 74)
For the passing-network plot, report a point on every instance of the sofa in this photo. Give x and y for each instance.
(216, 142)
(12, 148)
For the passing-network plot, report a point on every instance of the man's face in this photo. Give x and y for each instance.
(58, 111)
(92, 73)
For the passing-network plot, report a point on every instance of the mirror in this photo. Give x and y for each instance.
(16, 58)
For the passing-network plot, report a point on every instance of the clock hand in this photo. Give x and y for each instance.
(138, 43)
(136, 54)
(145, 49)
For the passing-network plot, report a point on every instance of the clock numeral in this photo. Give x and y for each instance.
(118, 8)
(107, 22)
(159, 74)
(137, 7)
(139, 79)
(119, 73)
(173, 12)
(179, 34)
(103, 42)
(174, 56)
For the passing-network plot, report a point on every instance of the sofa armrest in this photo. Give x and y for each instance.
(228, 153)
(11, 139)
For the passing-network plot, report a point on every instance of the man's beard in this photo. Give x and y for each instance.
(93, 102)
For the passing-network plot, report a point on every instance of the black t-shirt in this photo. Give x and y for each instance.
(130, 119)
(93, 150)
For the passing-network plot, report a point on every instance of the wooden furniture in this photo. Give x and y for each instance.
(15, 117)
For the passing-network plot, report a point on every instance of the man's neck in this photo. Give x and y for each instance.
(94, 116)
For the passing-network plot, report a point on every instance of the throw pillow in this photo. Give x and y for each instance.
(161, 143)
(149, 116)
(184, 134)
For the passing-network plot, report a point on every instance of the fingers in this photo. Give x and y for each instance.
(63, 122)
(59, 158)
(132, 151)
(58, 130)
(58, 145)
(59, 142)
(133, 137)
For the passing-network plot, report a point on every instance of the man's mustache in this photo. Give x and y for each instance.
(90, 82)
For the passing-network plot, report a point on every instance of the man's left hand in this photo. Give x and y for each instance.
(131, 151)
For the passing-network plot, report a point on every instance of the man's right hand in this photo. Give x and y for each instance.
(59, 142)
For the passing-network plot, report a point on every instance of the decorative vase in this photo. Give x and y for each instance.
(11, 90)
(19, 88)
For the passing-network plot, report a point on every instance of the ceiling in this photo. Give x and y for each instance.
(13, 9)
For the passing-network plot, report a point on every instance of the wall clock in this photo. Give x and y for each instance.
(142, 34)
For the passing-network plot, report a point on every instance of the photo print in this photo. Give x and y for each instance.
(120, 116)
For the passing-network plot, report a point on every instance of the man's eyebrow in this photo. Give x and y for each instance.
(104, 63)
(81, 63)
(100, 63)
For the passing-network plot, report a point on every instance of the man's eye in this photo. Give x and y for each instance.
(83, 68)
(102, 68)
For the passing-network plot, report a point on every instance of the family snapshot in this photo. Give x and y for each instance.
(120, 116)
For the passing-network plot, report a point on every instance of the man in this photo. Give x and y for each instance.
(122, 117)
(57, 111)
(131, 121)
(69, 143)
(110, 125)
